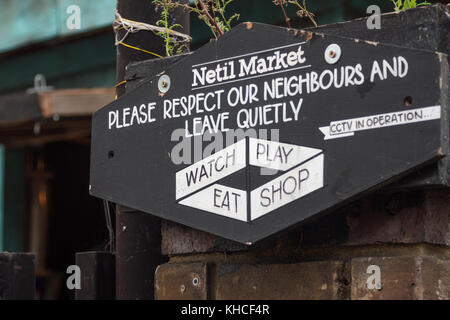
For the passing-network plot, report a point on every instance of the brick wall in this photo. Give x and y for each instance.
(385, 246)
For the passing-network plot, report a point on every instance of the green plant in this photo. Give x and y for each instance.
(302, 11)
(400, 5)
(171, 42)
(213, 14)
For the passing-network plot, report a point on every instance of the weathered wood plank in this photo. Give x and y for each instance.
(19, 107)
(22, 107)
(74, 102)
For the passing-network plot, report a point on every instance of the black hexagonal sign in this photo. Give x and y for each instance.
(266, 127)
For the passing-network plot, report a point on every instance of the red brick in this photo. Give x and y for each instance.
(308, 280)
(411, 217)
(398, 278)
(435, 279)
(402, 278)
(178, 239)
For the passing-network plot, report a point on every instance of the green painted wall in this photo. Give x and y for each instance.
(62, 64)
(29, 21)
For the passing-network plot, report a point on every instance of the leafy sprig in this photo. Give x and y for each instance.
(213, 14)
(400, 5)
(172, 44)
(302, 11)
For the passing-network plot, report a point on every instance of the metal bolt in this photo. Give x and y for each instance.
(332, 53)
(40, 85)
(164, 83)
(124, 228)
(195, 281)
(182, 288)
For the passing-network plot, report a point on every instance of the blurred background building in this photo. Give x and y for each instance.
(54, 72)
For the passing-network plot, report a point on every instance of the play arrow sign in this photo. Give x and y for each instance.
(264, 128)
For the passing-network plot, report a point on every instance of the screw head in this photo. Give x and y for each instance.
(332, 53)
(164, 83)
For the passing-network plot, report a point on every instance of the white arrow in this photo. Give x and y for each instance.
(288, 187)
(328, 136)
(211, 169)
(221, 200)
(278, 156)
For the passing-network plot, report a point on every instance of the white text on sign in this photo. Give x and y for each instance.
(290, 186)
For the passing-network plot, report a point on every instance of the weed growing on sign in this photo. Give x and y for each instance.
(400, 5)
(213, 14)
(171, 43)
(302, 12)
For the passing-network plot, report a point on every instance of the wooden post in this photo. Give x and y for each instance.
(138, 235)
